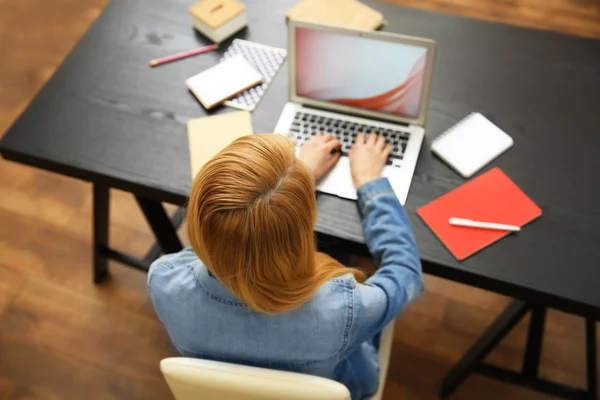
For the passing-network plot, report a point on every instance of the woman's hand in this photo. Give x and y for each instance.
(368, 157)
(316, 153)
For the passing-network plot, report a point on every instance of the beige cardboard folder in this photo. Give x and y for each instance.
(209, 135)
(345, 13)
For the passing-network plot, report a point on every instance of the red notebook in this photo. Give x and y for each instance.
(491, 197)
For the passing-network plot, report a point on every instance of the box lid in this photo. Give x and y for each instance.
(215, 13)
(345, 13)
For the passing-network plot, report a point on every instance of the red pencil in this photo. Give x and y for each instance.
(184, 54)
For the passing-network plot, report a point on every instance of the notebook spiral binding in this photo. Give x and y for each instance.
(451, 129)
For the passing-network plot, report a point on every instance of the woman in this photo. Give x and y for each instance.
(254, 291)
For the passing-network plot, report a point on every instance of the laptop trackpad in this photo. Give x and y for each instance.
(339, 181)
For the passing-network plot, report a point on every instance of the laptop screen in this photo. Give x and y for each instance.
(360, 72)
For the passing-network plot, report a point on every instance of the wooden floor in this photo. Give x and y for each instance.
(61, 337)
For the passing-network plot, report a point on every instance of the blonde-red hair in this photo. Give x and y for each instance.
(251, 216)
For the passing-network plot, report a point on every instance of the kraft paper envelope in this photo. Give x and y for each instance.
(209, 135)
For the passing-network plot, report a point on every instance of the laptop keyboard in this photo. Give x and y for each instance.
(306, 125)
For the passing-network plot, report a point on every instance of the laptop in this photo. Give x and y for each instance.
(345, 82)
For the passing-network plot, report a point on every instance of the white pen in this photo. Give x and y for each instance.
(483, 225)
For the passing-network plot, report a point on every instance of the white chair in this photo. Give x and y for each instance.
(196, 379)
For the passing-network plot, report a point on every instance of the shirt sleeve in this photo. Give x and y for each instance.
(390, 239)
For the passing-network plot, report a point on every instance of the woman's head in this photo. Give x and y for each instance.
(251, 216)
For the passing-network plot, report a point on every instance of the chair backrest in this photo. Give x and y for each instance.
(193, 379)
(385, 351)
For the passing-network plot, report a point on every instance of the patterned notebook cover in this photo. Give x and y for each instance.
(266, 59)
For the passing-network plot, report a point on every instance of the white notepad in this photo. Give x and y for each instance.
(223, 81)
(471, 144)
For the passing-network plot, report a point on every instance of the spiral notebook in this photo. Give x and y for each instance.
(471, 144)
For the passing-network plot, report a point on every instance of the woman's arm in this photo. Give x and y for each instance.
(399, 277)
(390, 239)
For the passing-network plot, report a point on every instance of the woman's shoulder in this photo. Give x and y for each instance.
(174, 267)
(174, 260)
(339, 289)
(343, 281)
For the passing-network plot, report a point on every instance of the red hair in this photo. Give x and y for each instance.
(251, 216)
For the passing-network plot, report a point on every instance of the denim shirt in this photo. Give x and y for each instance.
(333, 335)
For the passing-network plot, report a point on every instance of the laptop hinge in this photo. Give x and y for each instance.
(356, 115)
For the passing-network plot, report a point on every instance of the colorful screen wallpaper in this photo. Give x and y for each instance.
(360, 72)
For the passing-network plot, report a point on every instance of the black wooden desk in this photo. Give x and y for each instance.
(107, 118)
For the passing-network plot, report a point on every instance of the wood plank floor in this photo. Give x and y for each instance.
(61, 337)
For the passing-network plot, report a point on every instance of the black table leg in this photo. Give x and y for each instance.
(590, 340)
(473, 362)
(161, 225)
(155, 251)
(101, 195)
(541, 385)
(491, 337)
(535, 339)
(164, 229)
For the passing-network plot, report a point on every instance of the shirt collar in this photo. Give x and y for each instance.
(213, 286)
